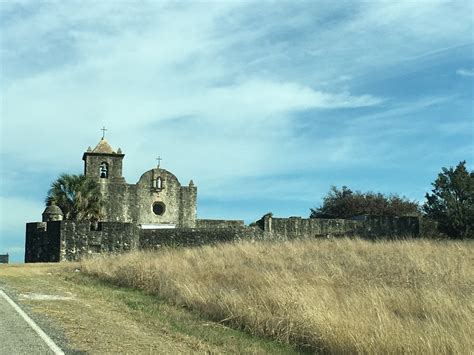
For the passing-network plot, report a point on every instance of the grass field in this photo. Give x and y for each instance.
(334, 296)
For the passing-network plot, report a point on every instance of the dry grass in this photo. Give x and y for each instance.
(91, 317)
(335, 296)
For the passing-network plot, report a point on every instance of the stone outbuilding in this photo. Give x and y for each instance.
(52, 213)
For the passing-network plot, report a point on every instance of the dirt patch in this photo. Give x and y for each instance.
(41, 297)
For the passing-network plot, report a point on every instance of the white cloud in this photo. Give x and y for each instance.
(148, 75)
(16, 211)
(457, 127)
(465, 72)
(213, 88)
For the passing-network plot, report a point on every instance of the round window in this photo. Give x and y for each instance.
(158, 208)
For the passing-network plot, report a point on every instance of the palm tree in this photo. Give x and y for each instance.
(78, 197)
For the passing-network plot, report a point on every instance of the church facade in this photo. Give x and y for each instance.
(157, 200)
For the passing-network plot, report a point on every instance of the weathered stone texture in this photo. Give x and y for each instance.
(364, 226)
(69, 241)
(42, 243)
(218, 223)
(92, 162)
(382, 226)
(295, 227)
(179, 201)
(118, 198)
(81, 239)
(154, 239)
(52, 213)
(103, 153)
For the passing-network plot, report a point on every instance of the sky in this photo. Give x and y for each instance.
(265, 105)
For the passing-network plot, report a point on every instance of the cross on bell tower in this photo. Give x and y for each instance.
(159, 161)
(103, 129)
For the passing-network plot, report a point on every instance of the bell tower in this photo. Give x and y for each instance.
(103, 164)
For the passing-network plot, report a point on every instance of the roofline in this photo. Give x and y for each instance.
(102, 154)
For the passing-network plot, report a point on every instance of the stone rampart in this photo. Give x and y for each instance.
(382, 226)
(219, 223)
(154, 239)
(83, 238)
(363, 226)
(294, 227)
(67, 241)
(43, 244)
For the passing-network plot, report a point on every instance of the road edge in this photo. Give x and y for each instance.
(51, 344)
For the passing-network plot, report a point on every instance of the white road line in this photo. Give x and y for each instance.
(33, 325)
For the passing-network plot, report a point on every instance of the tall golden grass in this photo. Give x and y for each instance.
(332, 296)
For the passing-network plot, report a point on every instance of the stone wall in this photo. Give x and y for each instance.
(187, 211)
(381, 226)
(295, 227)
(67, 241)
(119, 197)
(79, 239)
(219, 223)
(362, 226)
(154, 239)
(43, 244)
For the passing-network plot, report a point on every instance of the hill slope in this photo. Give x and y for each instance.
(325, 295)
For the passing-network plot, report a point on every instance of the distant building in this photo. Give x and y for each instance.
(4, 258)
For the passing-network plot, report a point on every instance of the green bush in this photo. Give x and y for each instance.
(451, 203)
(345, 203)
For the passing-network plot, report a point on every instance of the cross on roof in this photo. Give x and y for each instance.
(159, 160)
(103, 129)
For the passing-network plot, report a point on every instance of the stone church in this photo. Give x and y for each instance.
(158, 211)
(157, 200)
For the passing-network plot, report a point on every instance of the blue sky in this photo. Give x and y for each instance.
(264, 105)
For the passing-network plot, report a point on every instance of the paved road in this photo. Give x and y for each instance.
(16, 335)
